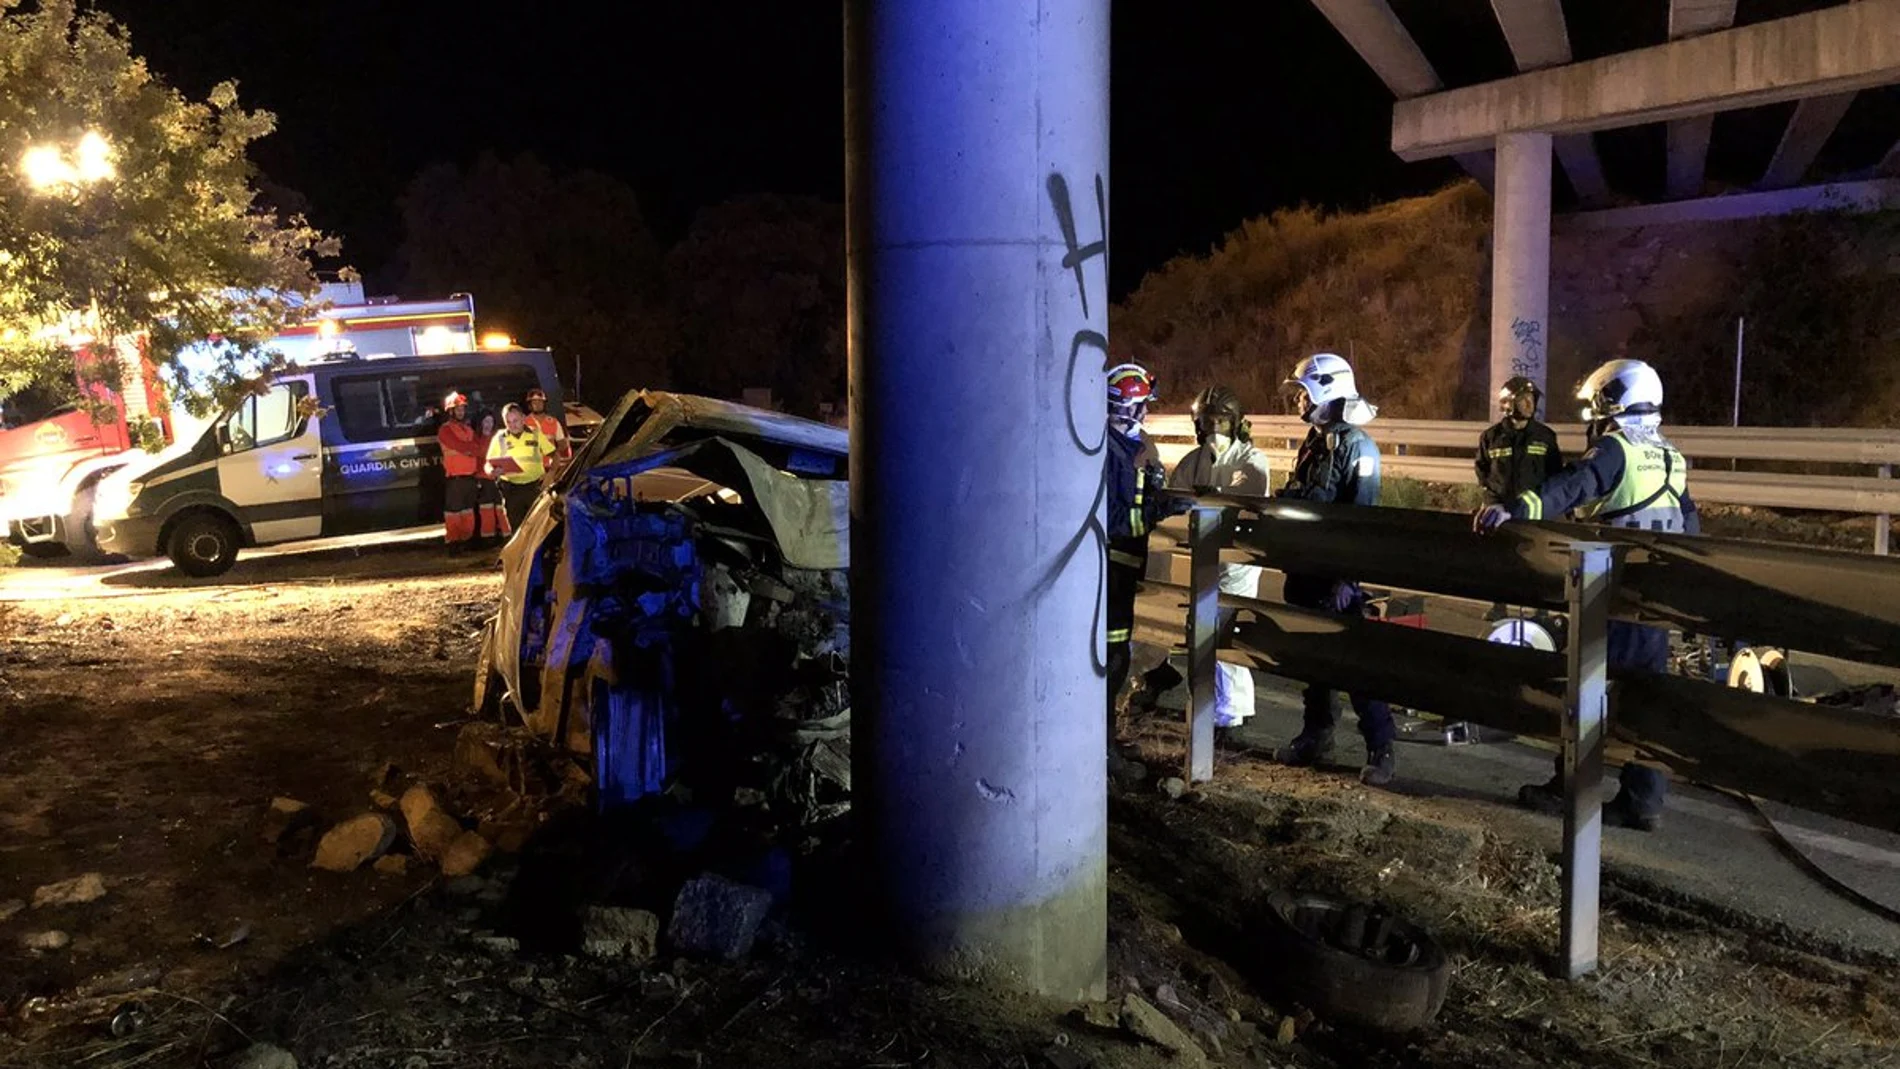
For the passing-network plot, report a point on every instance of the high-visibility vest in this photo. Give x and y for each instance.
(551, 429)
(1649, 495)
(526, 449)
(461, 453)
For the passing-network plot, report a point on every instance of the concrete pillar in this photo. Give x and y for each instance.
(1520, 261)
(977, 161)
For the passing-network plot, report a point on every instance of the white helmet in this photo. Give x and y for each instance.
(1325, 378)
(1621, 387)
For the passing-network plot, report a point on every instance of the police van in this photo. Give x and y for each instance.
(342, 446)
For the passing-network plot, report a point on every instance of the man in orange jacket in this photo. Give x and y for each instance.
(551, 428)
(461, 458)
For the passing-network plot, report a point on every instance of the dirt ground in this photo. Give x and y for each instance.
(144, 736)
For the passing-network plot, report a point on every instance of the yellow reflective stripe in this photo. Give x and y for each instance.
(1120, 635)
(1498, 454)
(1533, 505)
(1537, 449)
(1135, 525)
(1116, 556)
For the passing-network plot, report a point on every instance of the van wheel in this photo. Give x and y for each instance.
(203, 544)
(77, 532)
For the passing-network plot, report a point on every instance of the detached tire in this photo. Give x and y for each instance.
(203, 544)
(1353, 964)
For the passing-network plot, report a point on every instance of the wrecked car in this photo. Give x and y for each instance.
(676, 604)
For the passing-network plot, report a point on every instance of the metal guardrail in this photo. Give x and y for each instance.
(1836, 761)
(1877, 494)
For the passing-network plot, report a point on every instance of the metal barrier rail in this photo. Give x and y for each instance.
(1835, 761)
(1877, 494)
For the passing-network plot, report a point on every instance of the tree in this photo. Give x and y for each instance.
(758, 293)
(126, 208)
(561, 260)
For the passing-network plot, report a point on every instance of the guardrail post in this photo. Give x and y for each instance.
(1883, 523)
(1586, 702)
(1208, 528)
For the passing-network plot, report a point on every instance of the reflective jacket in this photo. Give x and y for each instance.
(1626, 479)
(551, 429)
(1513, 460)
(1134, 482)
(528, 450)
(1337, 464)
(461, 452)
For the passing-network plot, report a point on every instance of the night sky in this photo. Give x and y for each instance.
(1220, 112)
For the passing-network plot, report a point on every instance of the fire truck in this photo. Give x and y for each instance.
(52, 458)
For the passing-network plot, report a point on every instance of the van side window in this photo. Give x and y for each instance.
(264, 419)
(360, 408)
(406, 404)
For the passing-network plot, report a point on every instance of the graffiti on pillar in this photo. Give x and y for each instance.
(1079, 254)
(1529, 358)
(1089, 337)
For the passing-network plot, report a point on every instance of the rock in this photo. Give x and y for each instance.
(10, 907)
(465, 886)
(265, 1056)
(1174, 787)
(1102, 1015)
(609, 932)
(496, 944)
(1125, 770)
(748, 797)
(78, 890)
(465, 854)
(285, 818)
(53, 940)
(1169, 997)
(1141, 1019)
(716, 917)
(347, 846)
(1289, 1031)
(382, 799)
(393, 864)
(1063, 1056)
(507, 836)
(431, 827)
(478, 753)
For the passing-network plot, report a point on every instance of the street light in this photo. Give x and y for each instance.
(47, 168)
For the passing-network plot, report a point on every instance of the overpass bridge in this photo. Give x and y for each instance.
(1528, 97)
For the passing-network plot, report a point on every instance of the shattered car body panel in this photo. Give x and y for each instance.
(690, 537)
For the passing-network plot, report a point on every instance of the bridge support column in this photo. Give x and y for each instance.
(1520, 261)
(977, 219)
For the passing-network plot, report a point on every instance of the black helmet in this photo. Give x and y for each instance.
(1216, 403)
(1515, 387)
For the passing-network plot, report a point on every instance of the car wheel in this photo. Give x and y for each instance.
(43, 550)
(203, 544)
(1353, 964)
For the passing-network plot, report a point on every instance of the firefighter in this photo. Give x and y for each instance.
(518, 457)
(461, 459)
(1135, 483)
(1338, 463)
(550, 427)
(1225, 462)
(1517, 453)
(1631, 476)
(491, 518)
